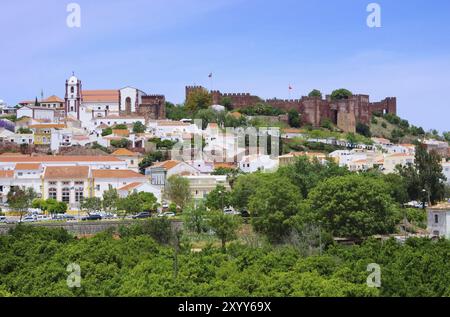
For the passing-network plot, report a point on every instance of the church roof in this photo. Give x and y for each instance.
(53, 99)
(107, 95)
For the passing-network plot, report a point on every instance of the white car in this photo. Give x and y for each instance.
(2, 219)
(42, 218)
(28, 219)
(167, 214)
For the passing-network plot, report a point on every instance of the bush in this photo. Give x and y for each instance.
(160, 229)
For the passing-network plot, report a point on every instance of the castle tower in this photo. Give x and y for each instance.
(73, 97)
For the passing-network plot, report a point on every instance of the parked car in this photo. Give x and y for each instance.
(92, 218)
(167, 214)
(142, 215)
(231, 212)
(28, 219)
(2, 219)
(108, 216)
(42, 218)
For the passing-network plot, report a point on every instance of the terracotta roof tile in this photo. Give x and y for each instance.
(66, 172)
(166, 164)
(57, 158)
(116, 174)
(6, 174)
(131, 186)
(124, 152)
(27, 166)
(100, 96)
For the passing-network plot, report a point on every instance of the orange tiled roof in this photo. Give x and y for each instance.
(6, 174)
(66, 172)
(48, 126)
(401, 155)
(224, 165)
(54, 99)
(131, 186)
(167, 164)
(121, 132)
(57, 158)
(116, 174)
(124, 152)
(27, 166)
(100, 95)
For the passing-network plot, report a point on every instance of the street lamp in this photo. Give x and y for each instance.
(424, 191)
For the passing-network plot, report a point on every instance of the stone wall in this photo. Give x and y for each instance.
(313, 110)
(83, 228)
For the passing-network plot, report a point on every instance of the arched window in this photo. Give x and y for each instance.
(128, 105)
(66, 195)
(52, 193)
(79, 195)
(72, 89)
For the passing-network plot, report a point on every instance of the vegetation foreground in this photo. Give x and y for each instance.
(141, 262)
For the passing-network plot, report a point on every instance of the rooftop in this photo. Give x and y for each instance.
(66, 172)
(57, 158)
(116, 174)
(106, 95)
(124, 152)
(27, 166)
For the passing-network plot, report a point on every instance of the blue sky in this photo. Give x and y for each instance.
(256, 46)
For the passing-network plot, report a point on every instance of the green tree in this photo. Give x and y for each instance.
(341, 94)
(294, 118)
(363, 129)
(160, 229)
(315, 93)
(227, 103)
(120, 126)
(178, 190)
(20, 199)
(195, 218)
(110, 199)
(218, 199)
(138, 127)
(225, 227)
(148, 201)
(198, 99)
(107, 131)
(306, 173)
(353, 206)
(24, 131)
(149, 159)
(121, 144)
(425, 180)
(91, 204)
(272, 206)
(129, 205)
(56, 207)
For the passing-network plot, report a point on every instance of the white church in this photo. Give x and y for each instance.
(92, 108)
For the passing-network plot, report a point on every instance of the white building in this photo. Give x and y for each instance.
(254, 163)
(160, 172)
(446, 170)
(37, 113)
(140, 187)
(202, 185)
(439, 220)
(393, 160)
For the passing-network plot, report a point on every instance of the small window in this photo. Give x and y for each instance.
(436, 218)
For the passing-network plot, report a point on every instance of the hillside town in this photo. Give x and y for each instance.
(91, 141)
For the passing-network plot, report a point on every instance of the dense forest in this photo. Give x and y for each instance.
(34, 263)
